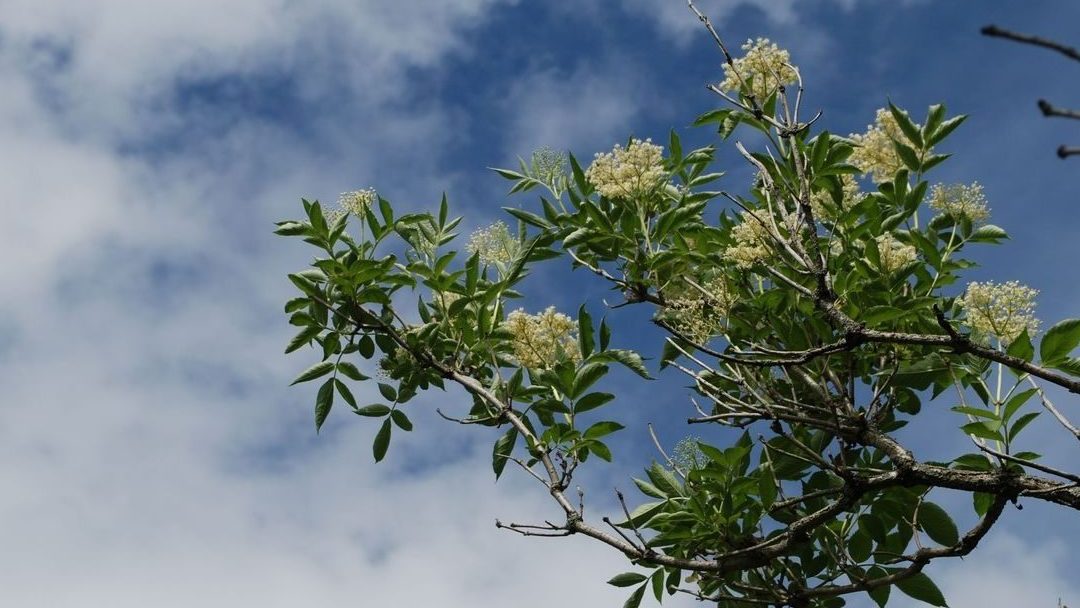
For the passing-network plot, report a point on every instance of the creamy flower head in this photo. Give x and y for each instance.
(821, 202)
(765, 68)
(960, 201)
(875, 153)
(628, 173)
(751, 241)
(699, 314)
(494, 244)
(358, 201)
(542, 340)
(892, 254)
(1002, 310)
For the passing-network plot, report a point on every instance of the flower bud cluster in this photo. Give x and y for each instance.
(358, 201)
(548, 166)
(493, 244)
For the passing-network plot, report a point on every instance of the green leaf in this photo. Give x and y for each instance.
(982, 502)
(946, 127)
(304, 337)
(880, 595)
(592, 401)
(920, 587)
(366, 346)
(1069, 365)
(350, 371)
(603, 428)
(382, 441)
(649, 489)
(1060, 340)
(1021, 422)
(635, 598)
(937, 524)
(1021, 347)
(979, 429)
(626, 579)
(319, 369)
(500, 453)
(712, 116)
(388, 392)
(401, 420)
(859, 546)
(906, 125)
(642, 513)
(974, 411)
(628, 358)
(988, 234)
(585, 332)
(323, 402)
(1016, 401)
(292, 229)
(600, 449)
(665, 480)
(375, 410)
(345, 393)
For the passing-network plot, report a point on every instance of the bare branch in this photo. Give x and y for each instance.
(997, 32)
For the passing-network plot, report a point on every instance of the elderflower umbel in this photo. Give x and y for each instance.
(822, 201)
(542, 340)
(358, 201)
(751, 241)
(960, 201)
(765, 68)
(494, 244)
(875, 153)
(627, 173)
(700, 316)
(893, 254)
(1003, 310)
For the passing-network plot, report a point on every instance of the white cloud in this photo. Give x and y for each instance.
(590, 108)
(149, 450)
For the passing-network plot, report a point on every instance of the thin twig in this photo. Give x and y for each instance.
(997, 32)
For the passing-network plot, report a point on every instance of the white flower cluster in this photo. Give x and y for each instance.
(764, 68)
(699, 314)
(358, 201)
(960, 201)
(751, 241)
(875, 153)
(1003, 310)
(542, 340)
(821, 202)
(892, 254)
(628, 173)
(494, 244)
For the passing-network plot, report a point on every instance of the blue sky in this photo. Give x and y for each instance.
(150, 451)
